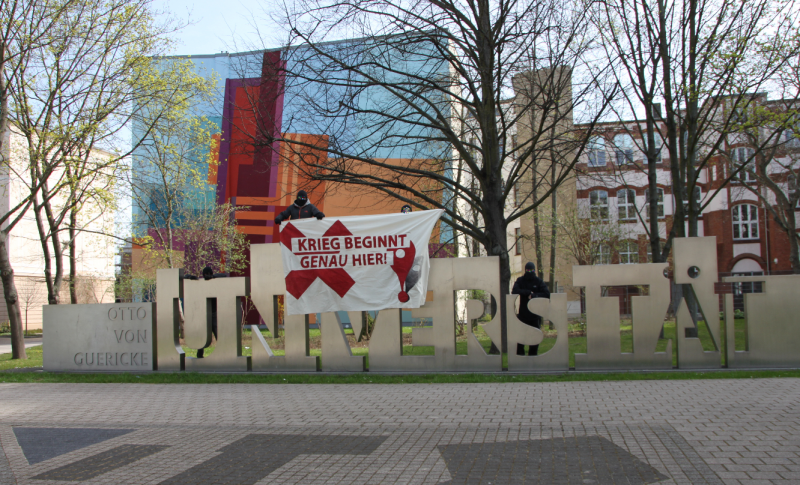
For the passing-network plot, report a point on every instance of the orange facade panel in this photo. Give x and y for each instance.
(255, 215)
(255, 230)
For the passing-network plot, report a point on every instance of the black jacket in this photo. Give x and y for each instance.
(529, 286)
(296, 212)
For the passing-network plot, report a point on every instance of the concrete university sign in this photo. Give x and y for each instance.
(141, 336)
(104, 337)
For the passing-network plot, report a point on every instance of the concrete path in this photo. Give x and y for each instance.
(714, 431)
(5, 344)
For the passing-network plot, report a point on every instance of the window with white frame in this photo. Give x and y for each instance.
(517, 241)
(626, 205)
(623, 149)
(744, 156)
(745, 221)
(628, 253)
(659, 202)
(598, 203)
(603, 254)
(597, 151)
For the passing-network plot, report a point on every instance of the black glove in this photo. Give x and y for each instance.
(278, 221)
(320, 216)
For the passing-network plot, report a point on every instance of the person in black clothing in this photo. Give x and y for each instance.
(301, 209)
(529, 286)
(208, 274)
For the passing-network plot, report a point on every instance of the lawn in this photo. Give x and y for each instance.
(34, 359)
(577, 344)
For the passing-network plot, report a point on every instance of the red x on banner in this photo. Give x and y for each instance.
(298, 281)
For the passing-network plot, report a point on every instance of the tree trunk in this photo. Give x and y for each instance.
(498, 246)
(794, 244)
(790, 229)
(788, 224)
(505, 284)
(553, 234)
(691, 124)
(52, 296)
(537, 229)
(58, 252)
(652, 186)
(670, 119)
(73, 263)
(12, 301)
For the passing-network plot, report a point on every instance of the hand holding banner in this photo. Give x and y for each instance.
(357, 263)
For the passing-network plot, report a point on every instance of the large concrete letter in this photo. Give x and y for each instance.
(603, 348)
(296, 356)
(441, 310)
(479, 274)
(772, 332)
(266, 274)
(386, 347)
(555, 359)
(336, 353)
(169, 291)
(696, 264)
(227, 355)
(446, 277)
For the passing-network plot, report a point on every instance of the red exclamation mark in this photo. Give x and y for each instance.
(403, 261)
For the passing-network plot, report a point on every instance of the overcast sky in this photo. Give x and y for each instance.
(219, 26)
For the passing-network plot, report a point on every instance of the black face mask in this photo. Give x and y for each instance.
(300, 202)
(529, 275)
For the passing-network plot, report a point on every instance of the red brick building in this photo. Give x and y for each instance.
(612, 187)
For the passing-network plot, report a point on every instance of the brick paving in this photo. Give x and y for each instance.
(714, 431)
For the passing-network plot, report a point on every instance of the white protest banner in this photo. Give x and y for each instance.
(357, 263)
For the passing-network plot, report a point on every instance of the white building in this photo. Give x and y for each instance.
(94, 250)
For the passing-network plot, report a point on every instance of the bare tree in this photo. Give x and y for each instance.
(74, 96)
(702, 61)
(24, 28)
(418, 88)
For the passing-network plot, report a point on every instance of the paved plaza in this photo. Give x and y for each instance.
(696, 431)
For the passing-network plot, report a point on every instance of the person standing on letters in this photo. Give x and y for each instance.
(301, 209)
(529, 286)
